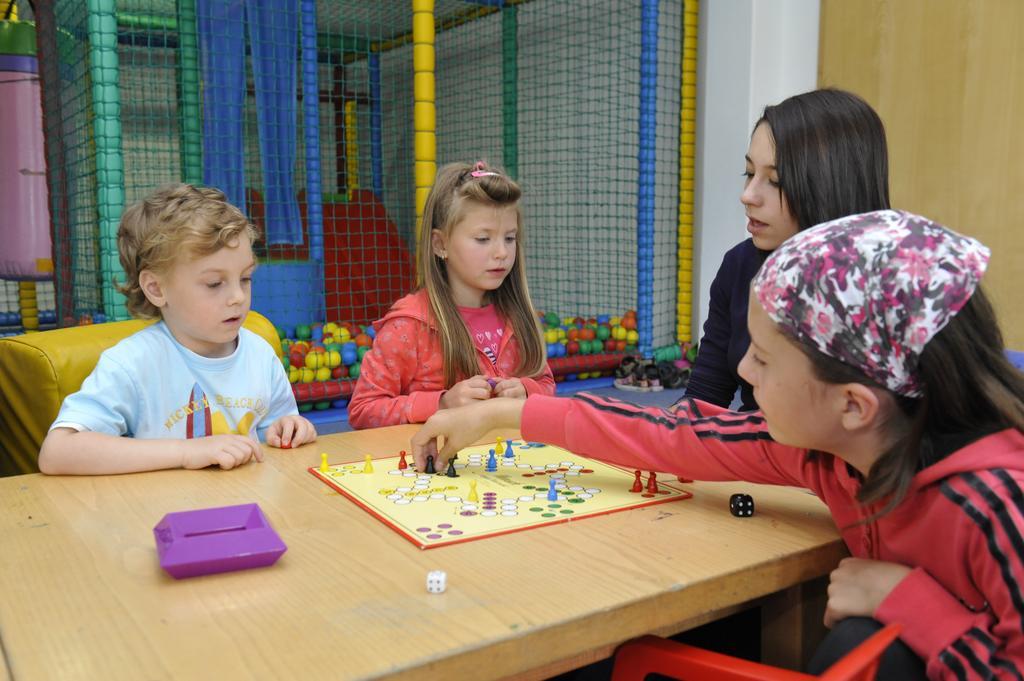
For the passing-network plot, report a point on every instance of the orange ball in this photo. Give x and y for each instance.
(362, 340)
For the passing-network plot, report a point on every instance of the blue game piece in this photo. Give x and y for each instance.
(552, 492)
(509, 454)
(492, 463)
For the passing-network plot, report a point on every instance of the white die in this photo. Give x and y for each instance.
(437, 581)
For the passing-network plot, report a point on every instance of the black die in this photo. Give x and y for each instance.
(741, 505)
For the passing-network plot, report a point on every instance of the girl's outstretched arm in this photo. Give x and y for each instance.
(697, 440)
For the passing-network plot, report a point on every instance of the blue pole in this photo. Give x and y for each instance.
(376, 145)
(311, 129)
(645, 176)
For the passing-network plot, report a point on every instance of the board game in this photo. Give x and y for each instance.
(516, 488)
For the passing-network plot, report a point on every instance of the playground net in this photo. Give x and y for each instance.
(302, 113)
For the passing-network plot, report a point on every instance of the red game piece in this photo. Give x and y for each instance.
(637, 485)
(402, 465)
(682, 479)
(652, 483)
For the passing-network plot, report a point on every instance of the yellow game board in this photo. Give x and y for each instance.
(436, 510)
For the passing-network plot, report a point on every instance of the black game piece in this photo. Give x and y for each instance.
(451, 469)
(741, 505)
(430, 466)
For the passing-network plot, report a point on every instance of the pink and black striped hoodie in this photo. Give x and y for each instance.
(960, 527)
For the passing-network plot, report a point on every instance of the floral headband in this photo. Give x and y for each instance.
(871, 290)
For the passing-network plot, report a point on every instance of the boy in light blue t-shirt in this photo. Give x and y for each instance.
(195, 389)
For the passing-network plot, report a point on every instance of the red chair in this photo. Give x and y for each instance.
(635, 659)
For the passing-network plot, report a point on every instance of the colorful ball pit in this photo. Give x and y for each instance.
(323, 360)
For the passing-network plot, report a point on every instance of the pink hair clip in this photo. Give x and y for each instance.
(478, 170)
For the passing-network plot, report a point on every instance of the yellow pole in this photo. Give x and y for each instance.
(424, 114)
(351, 147)
(28, 305)
(687, 159)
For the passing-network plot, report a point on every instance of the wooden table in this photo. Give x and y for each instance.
(82, 595)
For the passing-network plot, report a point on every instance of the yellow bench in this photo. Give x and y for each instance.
(38, 370)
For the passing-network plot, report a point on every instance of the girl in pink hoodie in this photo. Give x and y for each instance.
(879, 368)
(470, 332)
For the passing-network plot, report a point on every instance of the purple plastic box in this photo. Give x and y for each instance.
(210, 540)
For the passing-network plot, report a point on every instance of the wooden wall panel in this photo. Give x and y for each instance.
(947, 78)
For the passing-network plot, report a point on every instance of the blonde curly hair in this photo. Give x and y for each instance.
(175, 221)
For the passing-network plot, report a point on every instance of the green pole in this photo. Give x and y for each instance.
(189, 114)
(106, 103)
(510, 90)
(149, 22)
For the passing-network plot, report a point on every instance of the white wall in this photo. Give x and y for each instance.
(752, 53)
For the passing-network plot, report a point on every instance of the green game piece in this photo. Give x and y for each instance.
(536, 509)
(547, 515)
(566, 511)
(554, 506)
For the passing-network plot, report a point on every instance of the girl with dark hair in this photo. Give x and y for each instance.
(813, 157)
(879, 367)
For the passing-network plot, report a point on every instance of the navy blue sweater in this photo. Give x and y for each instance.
(726, 338)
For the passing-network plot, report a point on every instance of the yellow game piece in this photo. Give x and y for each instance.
(472, 492)
(323, 462)
(497, 448)
(368, 468)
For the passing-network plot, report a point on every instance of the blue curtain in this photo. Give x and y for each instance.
(273, 38)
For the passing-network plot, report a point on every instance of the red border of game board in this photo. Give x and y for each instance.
(313, 470)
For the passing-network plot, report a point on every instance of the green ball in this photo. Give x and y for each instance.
(302, 332)
(603, 333)
(305, 407)
(353, 371)
(280, 332)
(286, 362)
(551, 319)
(362, 351)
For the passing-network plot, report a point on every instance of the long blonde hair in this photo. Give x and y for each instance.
(454, 188)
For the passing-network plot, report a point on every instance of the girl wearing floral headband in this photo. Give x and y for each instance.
(470, 332)
(884, 388)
